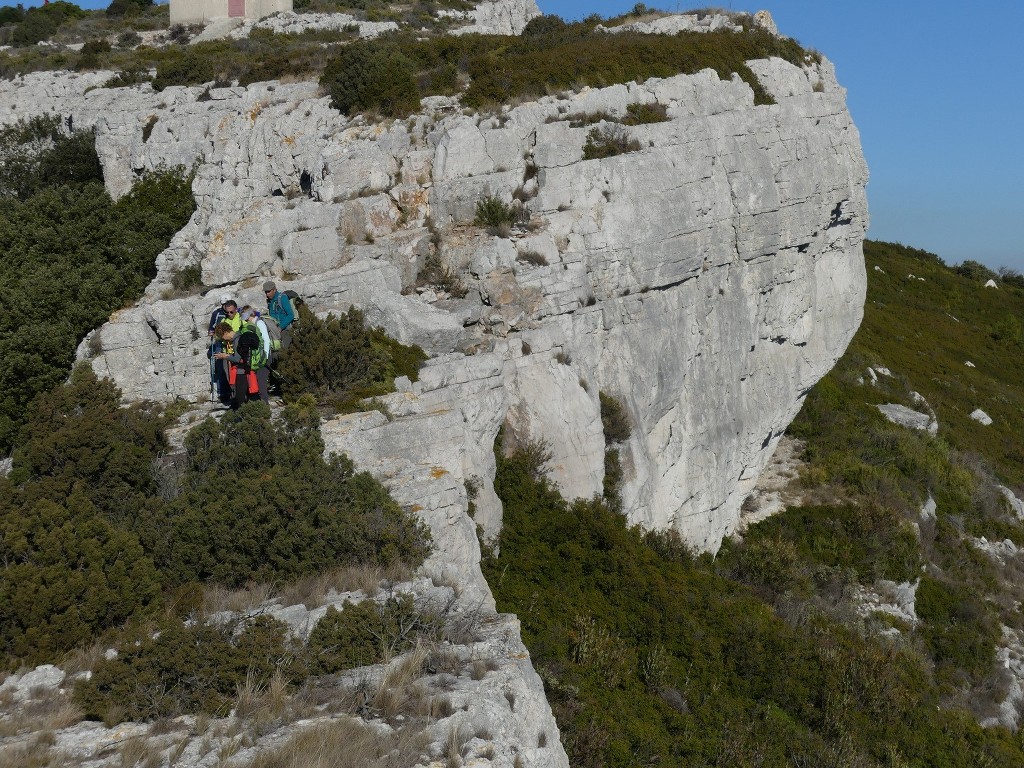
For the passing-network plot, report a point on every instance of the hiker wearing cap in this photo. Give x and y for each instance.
(280, 308)
(219, 371)
(245, 362)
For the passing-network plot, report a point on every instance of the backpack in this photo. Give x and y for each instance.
(257, 358)
(295, 299)
(275, 333)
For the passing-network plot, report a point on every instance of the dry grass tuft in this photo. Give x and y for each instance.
(137, 750)
(217, 599)
(49, 711)
(454, 746)
(83, 659)
(347, 743)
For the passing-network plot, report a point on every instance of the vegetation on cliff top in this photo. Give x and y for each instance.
(391, 74)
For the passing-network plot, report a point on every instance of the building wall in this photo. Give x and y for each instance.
(202, 11)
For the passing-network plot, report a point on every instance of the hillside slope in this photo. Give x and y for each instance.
(873, 622)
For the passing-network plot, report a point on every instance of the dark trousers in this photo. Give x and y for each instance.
(241, 395)
(220, 374)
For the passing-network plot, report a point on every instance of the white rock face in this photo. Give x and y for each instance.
(675, 23)
(707, 281)
(501, 17)
(908, 417)
(291, 23)
(1011, 498)
(44, 678)
(981, 417)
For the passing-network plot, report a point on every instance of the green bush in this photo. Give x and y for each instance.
(876, 542)
(362, 633)
(340, 361)
(69, 574)
(188, 68)
(959, 628)
(63, 236)
(614, 419)
(371, 77)
(494, 212)
(259, 502)
(642, 114)
(975, 270)
(181, 669)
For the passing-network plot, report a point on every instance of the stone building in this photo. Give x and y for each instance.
(202, 11)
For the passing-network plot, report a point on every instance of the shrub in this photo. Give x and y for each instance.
(546, 24)
(436, 273)
(641, 114)
(64, 236)
(721, 679)
(614, 419)
(128, 39)
(340, 361)
(534, 258)
(185, 279)
(608, 141)
(182, 669)
(69, 574)
(128, 77)
(259, 502)
(875, 541)
(498, 216)
(959, 630)
(187, 68)
(975, 270)
(363, 633)
(366, 76)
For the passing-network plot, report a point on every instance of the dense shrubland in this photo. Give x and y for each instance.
(649, 655)
(99, 527)
(569, 56)
(71, 254)
(758, 657)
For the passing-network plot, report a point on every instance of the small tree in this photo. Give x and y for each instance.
(369, 76)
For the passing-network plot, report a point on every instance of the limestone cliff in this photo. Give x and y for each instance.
(707, 280)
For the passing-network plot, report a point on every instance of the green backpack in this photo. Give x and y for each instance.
(257, 358)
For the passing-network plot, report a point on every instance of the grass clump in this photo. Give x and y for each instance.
(608, 141)
(437, 274)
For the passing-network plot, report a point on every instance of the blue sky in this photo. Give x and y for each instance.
(936, 91)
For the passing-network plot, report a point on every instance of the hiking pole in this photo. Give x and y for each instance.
(213, 367)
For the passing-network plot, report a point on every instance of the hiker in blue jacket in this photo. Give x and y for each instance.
(280, 307)
(219, 373)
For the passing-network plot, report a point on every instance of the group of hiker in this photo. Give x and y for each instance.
(245, 346)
